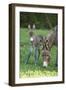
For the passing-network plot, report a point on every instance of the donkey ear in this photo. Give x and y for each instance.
(44, 38)
(29, 26)
(33, 26)
(47, 40)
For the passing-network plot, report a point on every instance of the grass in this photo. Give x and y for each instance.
(30, 69)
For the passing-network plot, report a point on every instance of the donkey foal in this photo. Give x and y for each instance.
(35, 41)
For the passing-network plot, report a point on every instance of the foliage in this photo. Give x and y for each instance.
(41, 20)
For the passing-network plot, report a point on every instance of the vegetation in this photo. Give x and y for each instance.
(30, 69)
(41, 20)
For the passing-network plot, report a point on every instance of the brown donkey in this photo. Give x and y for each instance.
(48, 42)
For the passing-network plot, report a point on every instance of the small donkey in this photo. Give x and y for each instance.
(48, 41)
(35, 41)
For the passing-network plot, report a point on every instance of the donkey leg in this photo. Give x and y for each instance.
(28, 56)
(36, 55)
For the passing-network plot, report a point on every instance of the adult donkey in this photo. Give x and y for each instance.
(48, 41)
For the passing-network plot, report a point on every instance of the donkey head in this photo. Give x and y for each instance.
(46, 57)
(46, 52)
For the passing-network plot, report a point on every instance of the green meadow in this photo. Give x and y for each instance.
(30, 69)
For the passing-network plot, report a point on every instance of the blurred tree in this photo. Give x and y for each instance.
(41, 20)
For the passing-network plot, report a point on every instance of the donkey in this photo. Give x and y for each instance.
(48, 41)
(35, 43)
